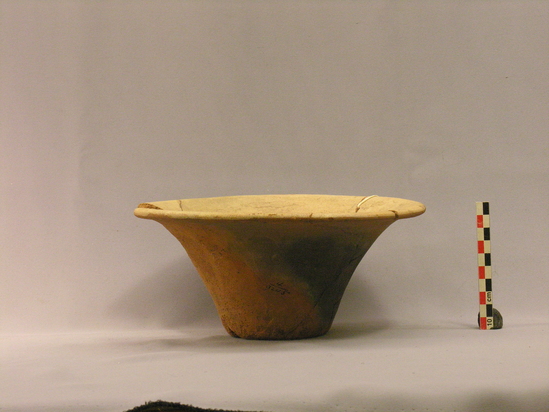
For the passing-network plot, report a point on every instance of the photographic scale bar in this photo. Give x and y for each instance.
(488, 317)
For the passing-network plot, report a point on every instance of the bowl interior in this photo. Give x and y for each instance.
(283, 206)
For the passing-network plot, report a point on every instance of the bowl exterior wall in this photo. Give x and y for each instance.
(276, 279)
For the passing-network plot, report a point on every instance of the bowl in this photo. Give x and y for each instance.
(277, 266)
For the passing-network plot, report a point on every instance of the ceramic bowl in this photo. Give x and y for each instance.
(277, 266)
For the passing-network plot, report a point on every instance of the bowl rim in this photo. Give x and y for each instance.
(277, 207)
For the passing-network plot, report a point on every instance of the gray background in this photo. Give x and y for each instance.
(108, 104)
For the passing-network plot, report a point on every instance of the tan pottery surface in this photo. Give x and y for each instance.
(277, 266)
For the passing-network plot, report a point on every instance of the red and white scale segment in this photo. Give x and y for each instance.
(486, 316)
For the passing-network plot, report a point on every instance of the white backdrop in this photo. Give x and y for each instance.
(108, 104)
